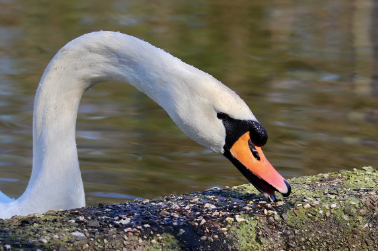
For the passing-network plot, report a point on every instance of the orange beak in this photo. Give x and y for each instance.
(257, 168)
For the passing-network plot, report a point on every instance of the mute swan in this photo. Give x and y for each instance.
(205, 109)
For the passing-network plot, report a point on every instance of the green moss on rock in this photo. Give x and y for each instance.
(335, 211)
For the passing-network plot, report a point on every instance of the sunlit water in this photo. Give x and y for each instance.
(307, 69)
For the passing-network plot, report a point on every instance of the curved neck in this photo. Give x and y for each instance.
(78, 66)
(191, 97)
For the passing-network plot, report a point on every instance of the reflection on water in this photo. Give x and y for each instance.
(307, 69)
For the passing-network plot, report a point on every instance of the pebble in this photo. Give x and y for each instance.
(174, 215)
(239, 219)
(276, 217)
(333, 205)
(41, 240)
(202, 222)
(284, 217)
(355, 231)
(347, 210)
(270, 212)
(203, 238)
(215, 213)
(279, 203)
(229, 219)
(181, 232)
(306, 206)
(270, 219)
(125, 221)
(361, 212)
(246, 208)
(208, 205)
(93, 223)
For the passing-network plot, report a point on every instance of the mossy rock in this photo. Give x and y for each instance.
(335, 211)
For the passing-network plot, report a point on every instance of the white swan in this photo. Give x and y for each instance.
(205, 109)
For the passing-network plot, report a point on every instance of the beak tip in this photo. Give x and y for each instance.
(288, 189)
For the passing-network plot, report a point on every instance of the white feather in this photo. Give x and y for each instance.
(191, 97)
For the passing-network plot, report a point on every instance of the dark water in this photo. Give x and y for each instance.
(307, 69)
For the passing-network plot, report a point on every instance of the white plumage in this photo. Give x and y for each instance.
(191, 97)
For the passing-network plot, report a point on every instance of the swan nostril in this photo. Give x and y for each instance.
(253, 150)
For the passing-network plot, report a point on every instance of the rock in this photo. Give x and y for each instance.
(368, 168)
(279, 203)
(284, 217)
(79, 236)
(347, 210)
(174, 222)
(229, 219)
(355, 231)
(270, 219)
(93, 223)
(307, 206)
(211, 206)
(239, 219)
(362, 212)
(276, 217)
(42, 240)
(181, 232)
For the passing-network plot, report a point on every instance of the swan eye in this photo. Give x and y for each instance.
(253, 150)
(222, 115)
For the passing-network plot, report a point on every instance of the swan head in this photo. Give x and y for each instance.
(243, 142)
(217, 118)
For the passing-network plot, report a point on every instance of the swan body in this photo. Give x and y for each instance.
(198, 103)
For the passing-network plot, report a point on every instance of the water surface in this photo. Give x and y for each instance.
(307, 69)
